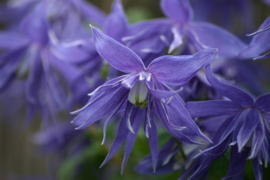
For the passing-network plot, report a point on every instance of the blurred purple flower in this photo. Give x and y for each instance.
(245, 128)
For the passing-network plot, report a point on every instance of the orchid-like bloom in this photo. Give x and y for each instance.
(259, 44)
(143, 94)
(245, 127)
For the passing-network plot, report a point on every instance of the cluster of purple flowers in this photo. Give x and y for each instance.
(170, 73)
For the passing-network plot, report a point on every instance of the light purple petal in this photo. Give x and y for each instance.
(116, 23)
(137, 115)
(247, 128)
(119, 56)
(119, 139)
(264, 27)
(175, 131)
(267, 55)
(12, 40)
(72, 54)
(233, 93)
(259, 43)
(105, 105)
(258, 138)
(213, 36)
(178, 10)
(263, 103)
(178, 107)
(153, 138)
(90, 12)
(35, 24)
(212, 108)
(177, 38)
(177, 70)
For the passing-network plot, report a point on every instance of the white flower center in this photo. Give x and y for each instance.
(138, 94)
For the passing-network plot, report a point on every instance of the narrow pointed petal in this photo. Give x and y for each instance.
(257, 169)
(237, 163)
(180, 11)
(258, 138)
(264, 27)
(213, 36)
(263, 103)
(181, 68)
(247, 129)
(235, 94)
(175, 131)
(212, 108)
(230, 124)
(182, 112)
(137, 117)
(119, 139)
(153, 140)
(116, 23)
(119, 56)
(267, 55)
(104, 106)
(259, 43)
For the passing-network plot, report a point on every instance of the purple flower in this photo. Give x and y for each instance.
(48, 60)
(245, 128)
(143, 94)
(179, 30)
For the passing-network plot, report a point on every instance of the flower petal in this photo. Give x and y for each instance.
(211, 108)
(258, 138)
(177, 70)
(103, 106)
(178, 107)
(257, 169)
(91, 12)
(153, 138)
(259, 43)
(175, 131)
(119, 56)
(12, 40)
(116, 23)
(213, 36)
(180, 11)
(177, 39)
(247, 129)
(237, 163)
(137, 117)
(235, 94)
(263, 103)
(35, 24)
(119, 139)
